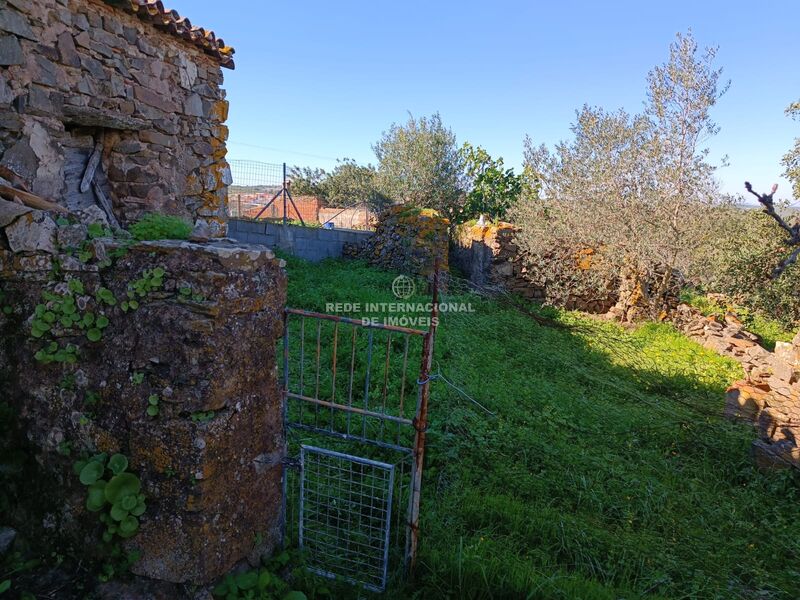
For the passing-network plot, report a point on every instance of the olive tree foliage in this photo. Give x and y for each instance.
(637, 188)
(348, 184)
(742, 264)
(419, 164)
(791, 159)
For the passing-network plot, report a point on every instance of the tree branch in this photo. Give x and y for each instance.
(768, 202)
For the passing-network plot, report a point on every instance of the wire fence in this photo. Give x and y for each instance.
(254, 185)
(263, 191)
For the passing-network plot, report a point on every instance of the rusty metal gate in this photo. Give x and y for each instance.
(352, 386)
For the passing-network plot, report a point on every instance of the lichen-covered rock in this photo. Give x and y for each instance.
(34, 231)
(407, 239)
(189, 328)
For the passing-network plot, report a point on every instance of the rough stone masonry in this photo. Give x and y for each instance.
(199, 342)
(127, 80)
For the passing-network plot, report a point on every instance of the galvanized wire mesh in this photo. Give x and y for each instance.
(398, 532)
(345, 515)
(254, 185)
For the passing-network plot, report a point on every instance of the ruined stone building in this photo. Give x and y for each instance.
(127, 81)
(110, 109)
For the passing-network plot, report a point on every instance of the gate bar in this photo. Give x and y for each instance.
(360, 322)
(351, 409)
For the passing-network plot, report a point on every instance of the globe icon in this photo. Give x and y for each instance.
(403, 287)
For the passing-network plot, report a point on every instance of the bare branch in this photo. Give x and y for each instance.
(786, 263)
(768, 202)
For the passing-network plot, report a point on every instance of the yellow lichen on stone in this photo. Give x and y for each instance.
(219, 111)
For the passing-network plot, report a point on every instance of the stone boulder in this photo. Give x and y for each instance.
(27, 230)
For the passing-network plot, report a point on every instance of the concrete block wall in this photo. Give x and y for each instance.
(309, 243)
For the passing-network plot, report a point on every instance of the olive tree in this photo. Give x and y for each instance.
(791, 159)
(420, 164)
(637, 188)
(348, 184)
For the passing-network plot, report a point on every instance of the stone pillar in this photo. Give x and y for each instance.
(200, 341)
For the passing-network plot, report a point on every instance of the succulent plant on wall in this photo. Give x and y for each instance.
(113, 492)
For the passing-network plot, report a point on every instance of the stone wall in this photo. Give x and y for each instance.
(407, 239)
(130, 80)
(308, 243)
(768, 396)
(95, 331)
(490, 256)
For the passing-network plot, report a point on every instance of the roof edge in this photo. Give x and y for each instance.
(153, 12)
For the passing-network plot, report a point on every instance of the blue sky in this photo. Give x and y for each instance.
(319, 80)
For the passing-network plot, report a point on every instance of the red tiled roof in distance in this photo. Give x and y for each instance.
(153, 11)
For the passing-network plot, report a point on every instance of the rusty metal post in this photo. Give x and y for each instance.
(421, 426)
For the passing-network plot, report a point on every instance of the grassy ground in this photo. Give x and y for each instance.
(605, 471)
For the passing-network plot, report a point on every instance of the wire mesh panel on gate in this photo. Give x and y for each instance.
(345, 513)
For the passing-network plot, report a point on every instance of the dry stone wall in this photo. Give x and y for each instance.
(95, 332)
(407, 239)
(80, 75)
(491, 256)
(769, 394)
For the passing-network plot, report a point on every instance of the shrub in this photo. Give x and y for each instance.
(160, 227)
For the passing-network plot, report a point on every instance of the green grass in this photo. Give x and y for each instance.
(769, 330)
(160, 227)
(607, 471)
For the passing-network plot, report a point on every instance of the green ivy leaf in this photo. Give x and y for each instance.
(128, 503)
(124, 484)
(96, 499)
(94, 334)
(247, 580)
(139, 508)
(76, 286)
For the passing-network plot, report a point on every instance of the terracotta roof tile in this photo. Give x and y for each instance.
(153, 11)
